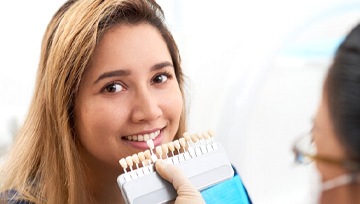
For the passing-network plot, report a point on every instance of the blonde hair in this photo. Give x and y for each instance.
(43, 164)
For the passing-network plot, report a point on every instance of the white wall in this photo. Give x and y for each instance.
(22, 26)
(255, 70)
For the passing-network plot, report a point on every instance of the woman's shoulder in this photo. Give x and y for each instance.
(12, 197)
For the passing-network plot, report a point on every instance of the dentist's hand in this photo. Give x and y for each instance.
(186, 192)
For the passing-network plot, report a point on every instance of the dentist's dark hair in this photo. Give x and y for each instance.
(343, 93)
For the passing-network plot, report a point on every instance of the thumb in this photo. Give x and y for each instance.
(185, 190)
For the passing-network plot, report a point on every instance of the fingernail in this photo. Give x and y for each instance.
(161, 163)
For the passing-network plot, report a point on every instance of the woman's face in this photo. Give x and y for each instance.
(128, 93)
(327, 142)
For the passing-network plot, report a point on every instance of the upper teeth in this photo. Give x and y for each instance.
(144, 137)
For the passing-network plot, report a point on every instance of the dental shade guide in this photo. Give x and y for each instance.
(202, 160)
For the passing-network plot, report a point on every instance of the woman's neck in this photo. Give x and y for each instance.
(107, 192)
(104, 187)
(101, 180)
(348, 194)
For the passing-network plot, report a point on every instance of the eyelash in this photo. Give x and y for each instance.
(165, 73)
(111, 84)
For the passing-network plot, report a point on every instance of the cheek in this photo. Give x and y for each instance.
(175, 104)
(328, 146)
(95, 119)
(320, 144)
(172, 104)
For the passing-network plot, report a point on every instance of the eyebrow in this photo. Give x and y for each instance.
(120, 72)
(125, 72)
(161, 65)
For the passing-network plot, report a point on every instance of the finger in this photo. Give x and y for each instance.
(170, 173)
(185, 190)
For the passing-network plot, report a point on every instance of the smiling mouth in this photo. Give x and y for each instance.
(144, 137)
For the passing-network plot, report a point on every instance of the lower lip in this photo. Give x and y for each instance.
(143, 145)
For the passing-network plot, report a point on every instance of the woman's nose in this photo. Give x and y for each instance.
(146, 107)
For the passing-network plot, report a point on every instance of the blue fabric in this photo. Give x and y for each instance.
(230, 192)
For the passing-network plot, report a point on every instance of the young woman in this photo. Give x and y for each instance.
(109, 71)
(109, 78)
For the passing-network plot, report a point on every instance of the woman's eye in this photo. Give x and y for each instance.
(113, 88)
(160, 78)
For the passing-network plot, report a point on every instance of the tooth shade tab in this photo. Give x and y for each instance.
(129, 161)
(165, 148)
(211, 133)
(206, 135)
(189, 141)
(135, 158)
(159, 151)
(123, 163)
(199, 136)
(147, 154)
(182, 143)
(194, 138)
(150, 144)
(141, 156)
(177, 145)
(146, 162)
(186, 135)
(171, 146)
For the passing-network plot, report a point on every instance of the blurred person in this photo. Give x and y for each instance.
(334, 141)
(109, 70)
